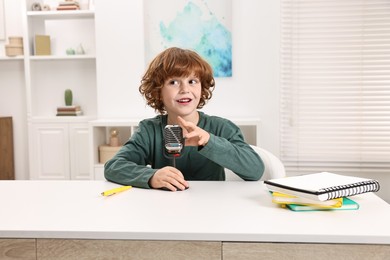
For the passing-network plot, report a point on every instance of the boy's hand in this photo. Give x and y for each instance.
(169, 178)
(194, 135)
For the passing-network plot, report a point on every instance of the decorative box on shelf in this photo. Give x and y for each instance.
(106, 152)
(15, 46)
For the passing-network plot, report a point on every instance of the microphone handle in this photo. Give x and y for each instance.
(174, 158)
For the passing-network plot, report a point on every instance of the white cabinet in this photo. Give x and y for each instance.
(79, 152)
(58, 146)
(59, 151)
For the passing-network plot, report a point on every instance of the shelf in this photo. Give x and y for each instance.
(50, 57)
(62, 15)
(19, 58)
(62, 57)
(115, 122)
(61, 119)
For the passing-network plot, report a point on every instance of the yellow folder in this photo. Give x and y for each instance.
(281, 198)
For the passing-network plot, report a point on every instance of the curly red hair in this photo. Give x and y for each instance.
(175, 62)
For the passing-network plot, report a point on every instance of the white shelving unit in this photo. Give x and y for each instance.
(100, 135)
(58, 146)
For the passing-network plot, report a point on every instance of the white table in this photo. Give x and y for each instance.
(225, 216)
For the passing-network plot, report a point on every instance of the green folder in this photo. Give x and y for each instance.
(348, 204)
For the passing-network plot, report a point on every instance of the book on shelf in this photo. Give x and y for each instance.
(68, 3)
(347, 204)
(69, 113)
(322, 186)
(283, 199)
(69, 108)
(68, 7)
(42, 45)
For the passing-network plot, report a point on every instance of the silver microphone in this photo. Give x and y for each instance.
(173, 141)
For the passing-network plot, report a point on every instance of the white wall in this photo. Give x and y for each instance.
(252, 92)
(12, 89)
(13, 21)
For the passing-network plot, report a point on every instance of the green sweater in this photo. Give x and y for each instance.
(143, 154)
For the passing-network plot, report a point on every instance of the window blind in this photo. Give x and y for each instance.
(335, 86)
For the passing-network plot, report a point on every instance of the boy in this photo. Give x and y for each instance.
(176, 84)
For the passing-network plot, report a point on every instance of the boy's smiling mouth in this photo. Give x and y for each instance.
(184, 100)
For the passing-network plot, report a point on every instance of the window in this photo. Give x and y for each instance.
(335, 86)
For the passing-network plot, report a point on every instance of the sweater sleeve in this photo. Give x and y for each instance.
(227, 148)
(129, 165)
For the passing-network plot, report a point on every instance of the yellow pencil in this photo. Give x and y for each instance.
(114, 191)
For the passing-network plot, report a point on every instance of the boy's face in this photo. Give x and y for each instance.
(181, 96)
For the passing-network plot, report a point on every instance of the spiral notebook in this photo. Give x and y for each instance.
(322, 186)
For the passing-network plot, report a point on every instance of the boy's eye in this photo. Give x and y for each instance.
(193, 81)
(173, 82)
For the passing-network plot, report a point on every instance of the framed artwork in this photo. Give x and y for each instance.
(200, 25)
(2, 21)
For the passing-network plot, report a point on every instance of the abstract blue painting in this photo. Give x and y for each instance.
(200, 25)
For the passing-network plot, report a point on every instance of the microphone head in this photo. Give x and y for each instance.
(173, 139)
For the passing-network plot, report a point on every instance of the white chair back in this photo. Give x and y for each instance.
(273, 167)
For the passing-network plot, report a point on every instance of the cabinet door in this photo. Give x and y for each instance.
(79, 152)
(49, 152)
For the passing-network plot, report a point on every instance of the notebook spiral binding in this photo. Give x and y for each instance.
(351, 189)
